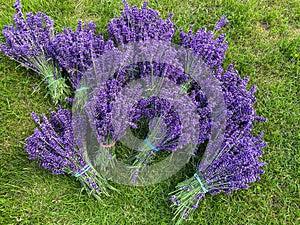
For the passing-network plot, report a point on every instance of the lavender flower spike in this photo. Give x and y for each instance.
(221, 23)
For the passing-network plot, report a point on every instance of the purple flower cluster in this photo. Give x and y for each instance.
(75, 51)
(164, 129)
(54, 145)
(206, 45)
(139, 25)
(237, 161)
(237, 167)
(27, 42)
(28, 39)
(220, 23)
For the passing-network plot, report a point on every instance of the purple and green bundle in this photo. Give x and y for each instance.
(237, 161)
(27, 42)
(236, 167)
(54, 146)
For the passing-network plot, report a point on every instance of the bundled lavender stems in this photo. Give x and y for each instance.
(164, 128)
(27, 42)
(108, 113)
(236, 166)
(237, 161)
(56, 149)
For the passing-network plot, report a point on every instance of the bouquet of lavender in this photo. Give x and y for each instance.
(164, 127)
(27, 42)
(168, 129)
(236, 163)
(236, 166)
(57, 150)
(107, 112)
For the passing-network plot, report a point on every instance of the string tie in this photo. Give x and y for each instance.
(108, 146)
(82, 89)
(150, 145)
(83, 170)
(200, 182)
(54, 81)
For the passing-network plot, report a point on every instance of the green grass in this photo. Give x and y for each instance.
(264, 44)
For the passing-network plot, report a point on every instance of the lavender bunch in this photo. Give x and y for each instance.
(234, 169)
(104, 117)
(116, 116)
(139, 25)
(76, 51)
(27, 41)
(237, 161)
(169, 129)
(54, 146)
(164, 129)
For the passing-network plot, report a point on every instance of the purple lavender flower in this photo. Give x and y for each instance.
(139, 25)
(53, 145)
(220, 23)
(76, 51)
(174, 200)
(185, 215)
(203, 43)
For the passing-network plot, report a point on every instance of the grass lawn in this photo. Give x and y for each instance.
(264, 44)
